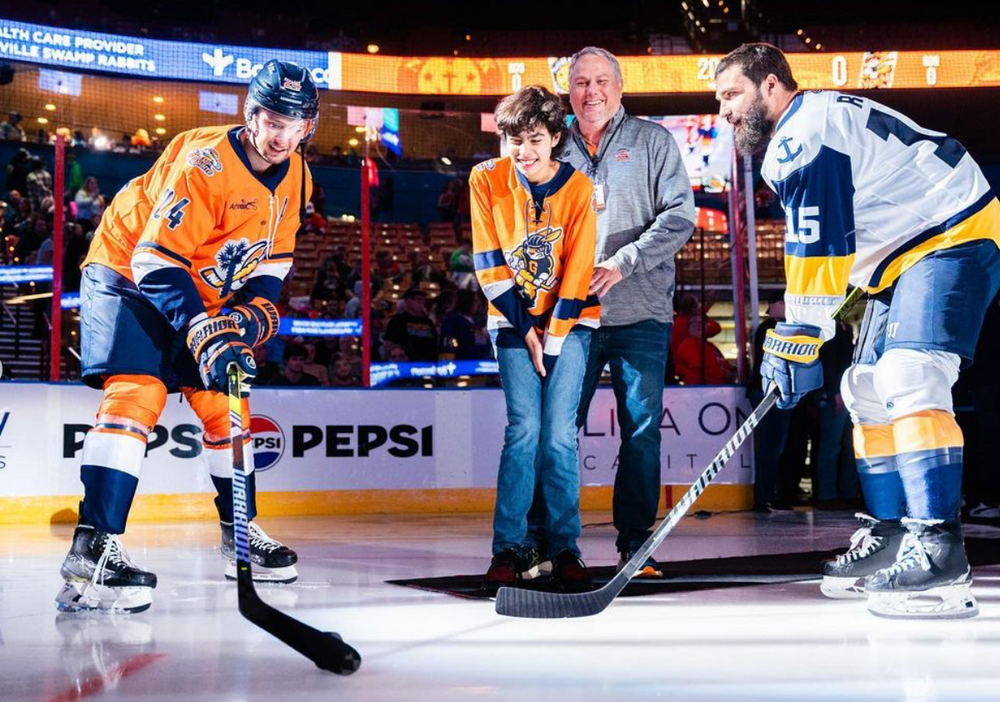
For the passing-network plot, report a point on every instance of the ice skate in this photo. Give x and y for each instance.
(100, 576)
(874, 546)
(273, 562)
(931, 578)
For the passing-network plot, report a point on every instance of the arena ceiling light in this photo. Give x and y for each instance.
(157, 99)
(373, 48)
(50, 107)
(43, 120)
(353, 142)
(161, 131)
(159, 118)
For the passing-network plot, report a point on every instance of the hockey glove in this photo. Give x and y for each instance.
(257, 320)
(215, 343)
(791, 362)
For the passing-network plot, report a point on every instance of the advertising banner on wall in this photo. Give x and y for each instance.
(322, 439)
(138, 57)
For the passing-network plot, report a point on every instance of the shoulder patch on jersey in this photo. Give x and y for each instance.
(487, 165)
(206, 159)
(235, 261)
(788, 154)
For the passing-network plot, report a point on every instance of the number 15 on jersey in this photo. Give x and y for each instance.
(802, 225)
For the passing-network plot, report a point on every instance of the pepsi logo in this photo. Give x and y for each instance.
(268, 442)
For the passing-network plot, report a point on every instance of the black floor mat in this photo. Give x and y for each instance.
(688, 576)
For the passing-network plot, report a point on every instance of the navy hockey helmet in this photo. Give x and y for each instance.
(286, 88)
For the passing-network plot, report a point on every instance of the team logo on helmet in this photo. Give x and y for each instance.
(235, 261)
(268, 442)
(289, 84)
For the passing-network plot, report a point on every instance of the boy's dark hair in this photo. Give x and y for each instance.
(295, 351)
(758, 61)
(530, 107)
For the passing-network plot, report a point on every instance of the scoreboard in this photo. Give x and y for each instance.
(653, 75)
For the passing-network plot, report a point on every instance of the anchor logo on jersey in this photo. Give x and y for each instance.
(236, 260)
(789, 154)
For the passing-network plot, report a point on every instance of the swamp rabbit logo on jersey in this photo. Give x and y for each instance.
(235, 261)
(533, 262)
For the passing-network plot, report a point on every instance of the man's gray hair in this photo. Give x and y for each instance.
(597, 51)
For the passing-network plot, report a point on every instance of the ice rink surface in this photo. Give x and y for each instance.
(764, 642)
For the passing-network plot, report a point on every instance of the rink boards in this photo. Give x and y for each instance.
(327, 451)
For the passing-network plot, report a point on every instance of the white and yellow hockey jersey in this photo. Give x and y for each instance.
(867, 193)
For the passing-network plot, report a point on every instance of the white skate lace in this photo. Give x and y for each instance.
(260, 540)
(113, 553)
(863, 544)
(912, 556)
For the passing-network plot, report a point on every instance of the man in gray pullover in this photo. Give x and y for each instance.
(645, 214)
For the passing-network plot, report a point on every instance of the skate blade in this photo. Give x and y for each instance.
(946, 602)
(842, 588)
(261, 574)
(84, 597)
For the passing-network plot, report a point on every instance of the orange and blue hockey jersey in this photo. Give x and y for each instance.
(200, 225)
(534, 259)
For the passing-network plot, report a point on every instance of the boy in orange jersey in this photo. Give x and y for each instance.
(212, 223)
(534, 235)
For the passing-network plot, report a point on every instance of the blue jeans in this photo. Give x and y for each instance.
(540, 445)
(637, 355)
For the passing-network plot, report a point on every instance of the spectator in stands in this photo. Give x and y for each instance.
(447, 204)
(30, 237)
(293, 374)
(699, 361)
(268, 372)
(443, 304)
(74, 180)
(312, 366)
(39, 184)
(343, 374)
(11, 130)
(352, 309)
(425, 270)
(461, 337)
(17, 172)
(645, 216)
(315, 223)
(89, 201)
(18, 210)
(412, 329)
(461, 268)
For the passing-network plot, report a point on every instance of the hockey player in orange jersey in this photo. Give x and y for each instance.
(212, 223)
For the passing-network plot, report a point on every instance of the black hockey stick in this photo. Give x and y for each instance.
(326, 649)
(517, 602)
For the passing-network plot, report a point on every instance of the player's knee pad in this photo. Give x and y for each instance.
(137, 398)
(909, 381)
(212, 409)
(857, 388)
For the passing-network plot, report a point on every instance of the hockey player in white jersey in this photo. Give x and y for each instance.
(874, 200)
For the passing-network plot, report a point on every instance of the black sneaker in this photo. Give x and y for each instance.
(505, 568)
(570, 571)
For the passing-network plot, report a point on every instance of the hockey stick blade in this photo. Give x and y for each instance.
(517, 602)
(326, 649)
